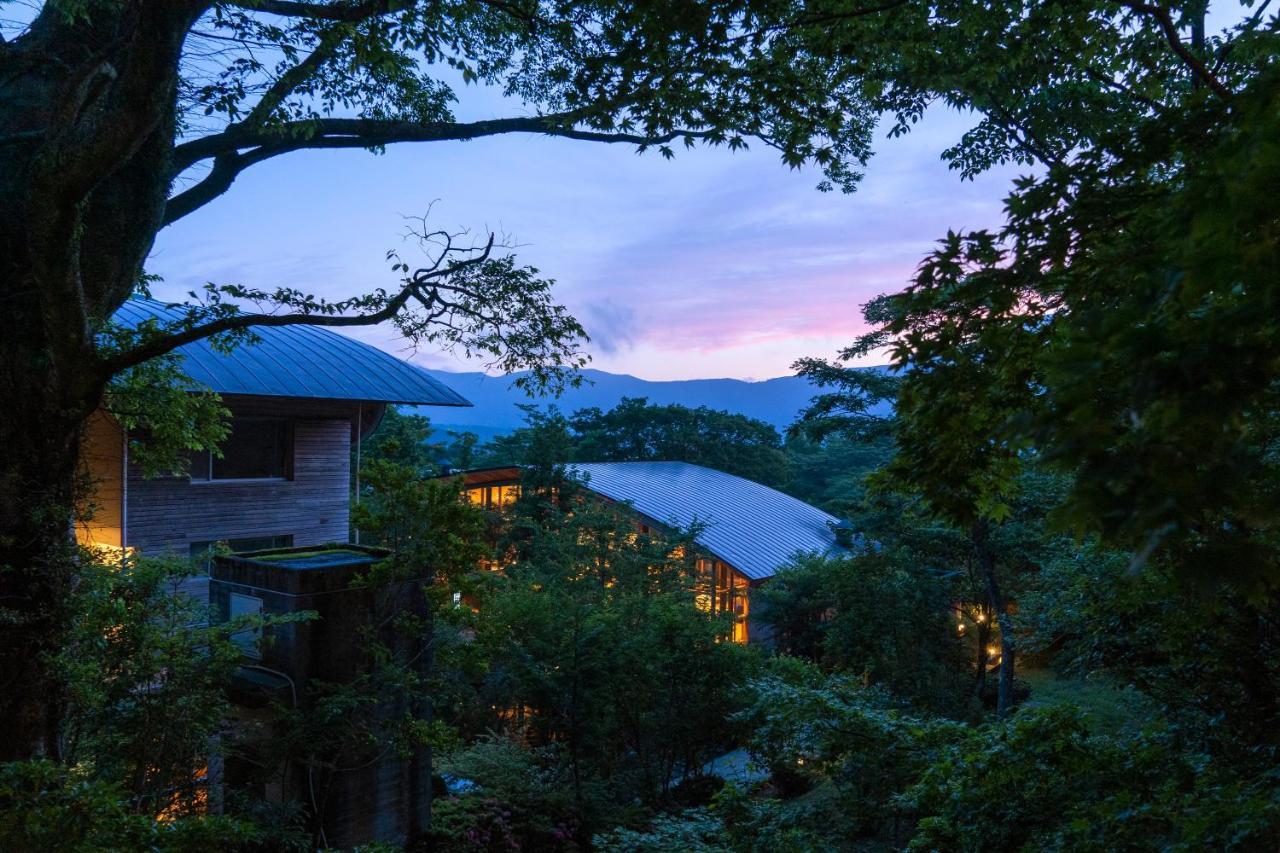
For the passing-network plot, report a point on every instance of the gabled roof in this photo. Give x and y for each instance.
(752, 527)
(300, 361)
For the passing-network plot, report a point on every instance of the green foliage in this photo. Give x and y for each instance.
(880, 616)
(813, 730)
(1118, 324)
(831, 473)
(401, 439)
(1042, 782)
(524, 796)
(147, 679)
(406, 440)
(544, 443)
(1151, 631)
(591, 640)
(695, 830)
(726, 74)
(163, 411)
(50, 807)
(408, 650)
(636, 430)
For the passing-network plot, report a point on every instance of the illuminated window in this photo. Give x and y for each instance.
(719, 589)
(493, 497)
(741, 607)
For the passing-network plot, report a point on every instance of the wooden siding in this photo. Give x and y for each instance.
(98, 520)
(169, 514)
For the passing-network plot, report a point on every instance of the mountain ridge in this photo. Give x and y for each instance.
(776, 401)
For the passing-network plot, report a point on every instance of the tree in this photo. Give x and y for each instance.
(403, 440)
(1156, 633)
(592, 642)
(148, 681)
(635, 430)
(1041, 781)
(831, 472)
(435, 538)
(883, 617)
(119, 117)
(1115, 327)
(108, 102)
(1118, 322)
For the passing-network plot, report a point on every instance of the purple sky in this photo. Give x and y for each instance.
(713, 264)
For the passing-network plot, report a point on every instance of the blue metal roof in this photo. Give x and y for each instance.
(752, 527)
(299, 361)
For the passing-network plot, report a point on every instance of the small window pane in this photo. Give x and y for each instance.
(257, 448)
(248, 639)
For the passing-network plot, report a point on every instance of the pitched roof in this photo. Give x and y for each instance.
(750, 526)
(300, 361)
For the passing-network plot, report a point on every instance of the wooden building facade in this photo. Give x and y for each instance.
(301, 399)
(284, 479)
(747, 531)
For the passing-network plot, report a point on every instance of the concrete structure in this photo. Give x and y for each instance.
(374, 798)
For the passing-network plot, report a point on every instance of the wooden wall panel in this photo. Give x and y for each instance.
(168, 514)
(98, 519)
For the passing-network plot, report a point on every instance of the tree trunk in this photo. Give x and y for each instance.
(38, 451)
(983, 639)
(987, 565)
(420, 762)
(87, 115)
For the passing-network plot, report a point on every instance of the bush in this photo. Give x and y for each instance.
(47, 807)
(695, 830)
(1043, 782)
(522, 800)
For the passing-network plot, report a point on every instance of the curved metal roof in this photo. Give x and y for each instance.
(752, 527)
(299, 361)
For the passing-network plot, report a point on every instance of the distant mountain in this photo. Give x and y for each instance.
(775, 401)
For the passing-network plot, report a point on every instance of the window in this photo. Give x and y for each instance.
(248, 640)
(202, 551)
(722, 590)
(256, 449)
(493, 497)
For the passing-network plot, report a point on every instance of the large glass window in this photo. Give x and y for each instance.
(722, 590)
(493, 497)
(256, 449)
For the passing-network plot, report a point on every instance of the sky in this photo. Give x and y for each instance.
(714, 264)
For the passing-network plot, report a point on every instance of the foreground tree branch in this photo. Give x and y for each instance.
(230, 158)
(462, 297)
(1163, 17)
(338, 12)
(369, 133)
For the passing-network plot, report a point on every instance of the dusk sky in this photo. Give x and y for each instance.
(715, 264)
